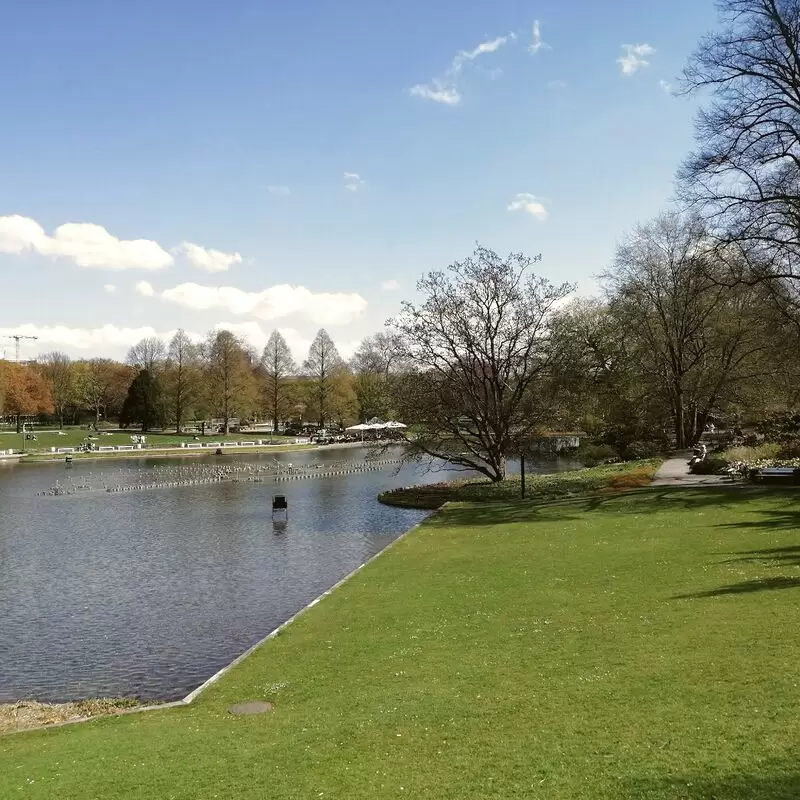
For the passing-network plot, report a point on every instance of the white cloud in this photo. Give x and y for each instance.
(279, 191)
(104, 341)
(111, 341)
(556, 85)
(443, 89)
(352, 181)
(144, 289)
(492, 46)
(208, 259)
(666, 86)
(536, 39)
(322, 308)
(110, 288)
(390, 286)
(87, 245)
(634, 57)
(438, 92)
(528, 202)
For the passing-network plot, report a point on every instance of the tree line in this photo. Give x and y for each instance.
(167, 384)
(698, 322)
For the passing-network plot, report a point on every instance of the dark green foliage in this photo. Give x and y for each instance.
(144, 404)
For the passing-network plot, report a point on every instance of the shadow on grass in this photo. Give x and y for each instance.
(636, 501)
(771, 782)
(745, 587)
(789, 556)
(774, 519)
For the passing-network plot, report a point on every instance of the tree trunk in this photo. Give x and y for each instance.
(680, 430)
(275, 408)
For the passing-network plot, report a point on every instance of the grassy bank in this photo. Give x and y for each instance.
(556, 486)
(638, 645)
(74, 437)
(150, 453)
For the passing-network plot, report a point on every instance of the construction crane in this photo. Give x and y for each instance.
(16, 338)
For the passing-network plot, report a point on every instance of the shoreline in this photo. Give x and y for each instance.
(172, 452)
(97, 708)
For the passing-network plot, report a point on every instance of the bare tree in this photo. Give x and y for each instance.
(692, 336)
(745, 173)
(277, 366)
(230, 381)
(101, 385)
(149, 353)
(182, 377)
(322, 365)
(56, 369)
(375, 363)
(481, 353)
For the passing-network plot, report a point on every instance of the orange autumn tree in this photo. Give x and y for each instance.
(23, 392)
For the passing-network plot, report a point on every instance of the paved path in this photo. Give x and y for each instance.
(675, 472)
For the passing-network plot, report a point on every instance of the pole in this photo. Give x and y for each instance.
(522, 476)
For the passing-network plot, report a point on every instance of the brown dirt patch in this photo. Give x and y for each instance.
(27, 714)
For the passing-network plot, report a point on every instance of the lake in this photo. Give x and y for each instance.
(147, 593)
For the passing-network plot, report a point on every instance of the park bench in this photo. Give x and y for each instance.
(782, 474)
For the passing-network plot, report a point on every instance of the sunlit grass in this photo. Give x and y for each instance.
(634, 645)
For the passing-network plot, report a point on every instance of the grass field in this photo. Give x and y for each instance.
(75, 436)
(639, 645)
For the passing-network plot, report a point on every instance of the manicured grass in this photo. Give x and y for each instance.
(75, 436)
(555, 486)
(639, 645)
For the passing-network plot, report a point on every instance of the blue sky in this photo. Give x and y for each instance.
(239, 128)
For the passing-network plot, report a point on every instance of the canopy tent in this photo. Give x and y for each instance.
(376, 425)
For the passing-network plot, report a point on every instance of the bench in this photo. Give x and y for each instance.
(782, 474)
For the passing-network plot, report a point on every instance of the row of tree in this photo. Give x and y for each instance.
(490, 359)
(169, 383)
(699, 322)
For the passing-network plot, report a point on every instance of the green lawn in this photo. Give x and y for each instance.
(624, 646)
(75, 436)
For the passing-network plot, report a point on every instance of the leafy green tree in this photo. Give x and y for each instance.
(144, 404)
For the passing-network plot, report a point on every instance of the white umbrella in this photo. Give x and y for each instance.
(393, 424)
(361, 427)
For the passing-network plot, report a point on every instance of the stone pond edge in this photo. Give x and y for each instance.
(195, 693)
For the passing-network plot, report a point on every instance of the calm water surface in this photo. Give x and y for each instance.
(148, 593)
